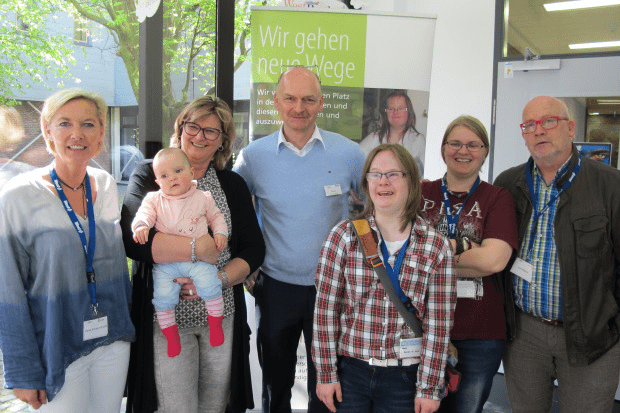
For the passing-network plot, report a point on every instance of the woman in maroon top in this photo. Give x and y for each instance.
(480, 220)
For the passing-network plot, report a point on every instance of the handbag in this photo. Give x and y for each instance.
(368, 239)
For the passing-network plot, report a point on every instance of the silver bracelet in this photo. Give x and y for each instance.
(193, 250)
(224, 279)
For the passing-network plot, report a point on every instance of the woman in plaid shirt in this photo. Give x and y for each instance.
(367, 359)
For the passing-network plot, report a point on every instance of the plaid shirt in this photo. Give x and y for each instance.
(354, 317)
(543, 296)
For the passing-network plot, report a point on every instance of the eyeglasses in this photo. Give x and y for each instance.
(391, 176)
(471, 146)
(396, 110)
(547, 123)
(192, 129)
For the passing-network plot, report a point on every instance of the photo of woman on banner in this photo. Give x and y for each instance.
(398, 125)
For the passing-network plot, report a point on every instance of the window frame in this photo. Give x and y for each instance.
(85, 39)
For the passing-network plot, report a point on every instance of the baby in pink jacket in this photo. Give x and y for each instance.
(180, 208)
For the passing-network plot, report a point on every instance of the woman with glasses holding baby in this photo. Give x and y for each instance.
(203, 377)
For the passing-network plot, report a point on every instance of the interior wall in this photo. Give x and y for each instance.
(462, 72)
(577, 112)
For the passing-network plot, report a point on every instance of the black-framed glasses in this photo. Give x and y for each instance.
(391, 176)
(396, 110)
(471, 146)
(193, 129)
(547, 123)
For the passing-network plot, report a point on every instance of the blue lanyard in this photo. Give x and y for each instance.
(89, 249)
(534, 194)
(393, 272)
(454, 219)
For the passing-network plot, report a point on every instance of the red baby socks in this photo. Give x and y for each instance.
(171, 331)
(215, 313)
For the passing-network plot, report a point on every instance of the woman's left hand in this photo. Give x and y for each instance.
(188, 289)
(33, 397)
(423, 405)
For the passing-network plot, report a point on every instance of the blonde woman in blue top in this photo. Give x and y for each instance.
(64, 306)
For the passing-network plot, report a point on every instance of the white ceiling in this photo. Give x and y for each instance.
(547, 33)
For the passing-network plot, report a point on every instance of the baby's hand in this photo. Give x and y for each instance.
(141, 235)
(220, 241)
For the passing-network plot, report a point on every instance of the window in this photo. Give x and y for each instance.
(81, 31)
(111, 67)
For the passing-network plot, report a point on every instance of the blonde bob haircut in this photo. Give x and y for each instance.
(412, 176)
(53, 103)
(471, 123)
(200, 108)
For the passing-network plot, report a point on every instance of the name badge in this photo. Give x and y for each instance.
(96, 328)
(522, 269)
(465, 289)
(410, 347)
(331, 190)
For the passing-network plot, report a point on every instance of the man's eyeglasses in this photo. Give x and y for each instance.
(193, 129)
(396, 110)
(391, 176)
(471, 146)
(547, 123)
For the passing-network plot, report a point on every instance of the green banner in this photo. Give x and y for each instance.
(333, 42)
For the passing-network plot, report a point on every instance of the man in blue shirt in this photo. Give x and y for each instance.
(300, 177)
(563, 291)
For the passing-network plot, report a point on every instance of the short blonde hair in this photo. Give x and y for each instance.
(53, 103)
(200, 108)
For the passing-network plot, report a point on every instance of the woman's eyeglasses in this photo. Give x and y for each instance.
(471, 146)
(396, 110)
(193, 129)
(391, 176)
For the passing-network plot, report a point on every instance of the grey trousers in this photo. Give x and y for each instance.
(538, 356)
(198, 379)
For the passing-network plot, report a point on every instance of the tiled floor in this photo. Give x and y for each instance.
(498, 400)
(497, 403)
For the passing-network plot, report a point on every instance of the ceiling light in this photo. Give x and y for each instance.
(579, 4)
(608, 101)
(615, 43)
(593, 114)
